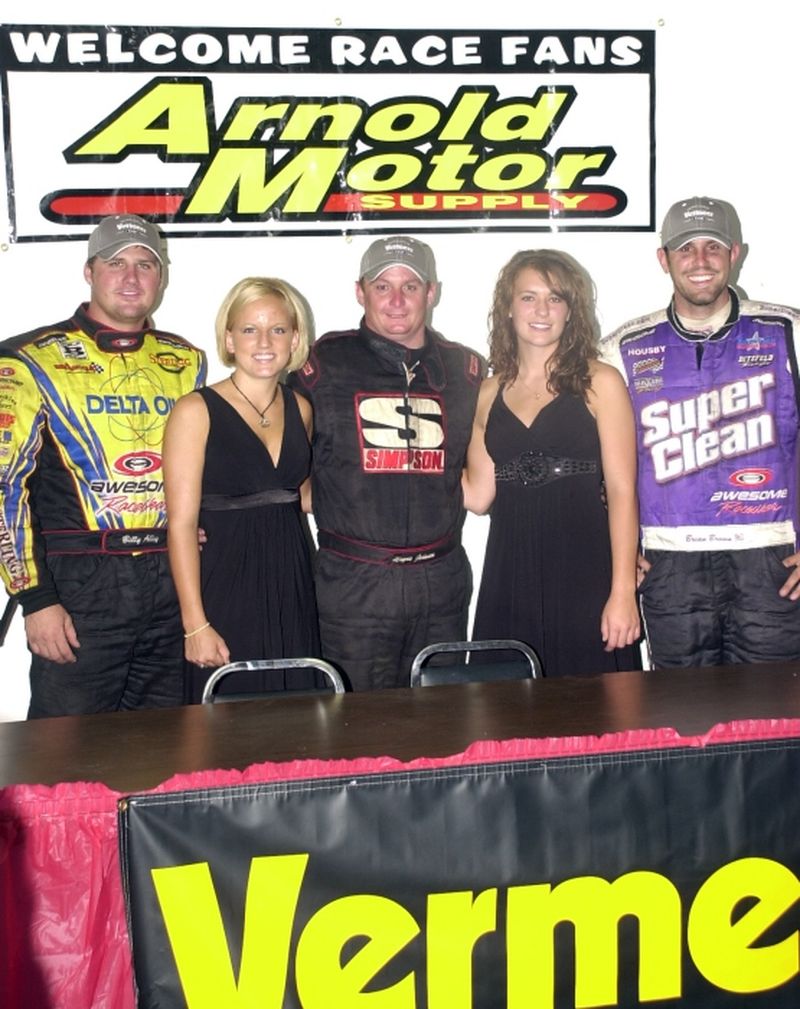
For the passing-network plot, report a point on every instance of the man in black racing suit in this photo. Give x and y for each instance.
(83, 405)
(393, 408)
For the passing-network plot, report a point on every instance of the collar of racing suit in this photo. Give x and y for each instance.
(113, 341)
(398, 358)
(695, 337)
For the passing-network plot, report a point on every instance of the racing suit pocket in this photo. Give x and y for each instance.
(775, 573)
(658, 583)
(80, 579)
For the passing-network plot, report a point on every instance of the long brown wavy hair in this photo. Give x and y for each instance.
(568, 368)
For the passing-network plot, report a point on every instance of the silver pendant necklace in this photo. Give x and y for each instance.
(263, 420)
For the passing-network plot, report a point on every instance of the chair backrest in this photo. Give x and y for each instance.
(525, 666)
(324, 667)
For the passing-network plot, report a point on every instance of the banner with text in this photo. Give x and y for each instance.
(663, 878)
(320, 131)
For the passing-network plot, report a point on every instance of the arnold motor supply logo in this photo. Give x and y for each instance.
(317, 131)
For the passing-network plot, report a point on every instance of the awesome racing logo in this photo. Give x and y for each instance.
(751, 494)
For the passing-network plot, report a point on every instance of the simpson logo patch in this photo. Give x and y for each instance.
(401, 434)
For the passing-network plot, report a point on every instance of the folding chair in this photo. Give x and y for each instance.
(525, 666)
(321, 665)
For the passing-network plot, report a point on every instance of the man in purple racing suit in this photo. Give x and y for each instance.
(393, 408)
(715, 390)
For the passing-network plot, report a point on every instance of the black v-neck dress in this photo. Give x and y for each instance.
(256, 578)
(547, 570)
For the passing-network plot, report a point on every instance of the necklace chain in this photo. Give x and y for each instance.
(537, 393)
(263, 420)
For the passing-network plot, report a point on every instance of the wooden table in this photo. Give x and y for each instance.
(134, 751)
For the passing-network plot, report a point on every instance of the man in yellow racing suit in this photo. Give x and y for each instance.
(83, 405)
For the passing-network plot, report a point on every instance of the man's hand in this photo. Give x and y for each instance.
(51, 634)
(791, 587)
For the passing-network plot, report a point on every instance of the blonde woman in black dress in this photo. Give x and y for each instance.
(553, 456)
(236, 459)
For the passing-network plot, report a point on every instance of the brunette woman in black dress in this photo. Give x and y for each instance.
(553, 456)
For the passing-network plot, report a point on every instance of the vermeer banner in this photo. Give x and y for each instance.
(312, 131)
(662, 878)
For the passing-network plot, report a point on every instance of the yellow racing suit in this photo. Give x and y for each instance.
(82, 415)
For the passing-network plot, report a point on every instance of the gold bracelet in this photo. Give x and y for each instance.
(197, 630)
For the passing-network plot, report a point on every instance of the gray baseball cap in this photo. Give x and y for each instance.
(698, 217)
(398, 250)
(113, 234)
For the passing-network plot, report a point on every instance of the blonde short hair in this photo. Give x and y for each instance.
(253, 289)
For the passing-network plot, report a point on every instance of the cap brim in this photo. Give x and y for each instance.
(678, 243)
(376, 271)
(118, 247)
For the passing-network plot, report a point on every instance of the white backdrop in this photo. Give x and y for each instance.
(725, 127)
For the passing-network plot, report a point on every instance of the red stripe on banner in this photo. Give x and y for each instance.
(82, 205)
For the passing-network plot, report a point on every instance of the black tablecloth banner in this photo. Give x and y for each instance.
(663, 878)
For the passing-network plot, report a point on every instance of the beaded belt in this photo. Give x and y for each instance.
(533, 469)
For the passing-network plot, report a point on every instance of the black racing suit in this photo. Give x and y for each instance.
(391, 429)
(82, 515)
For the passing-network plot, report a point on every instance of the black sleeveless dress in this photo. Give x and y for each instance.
(547, 570)
(255, 569)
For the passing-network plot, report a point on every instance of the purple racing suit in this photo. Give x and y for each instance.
(717, 426)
